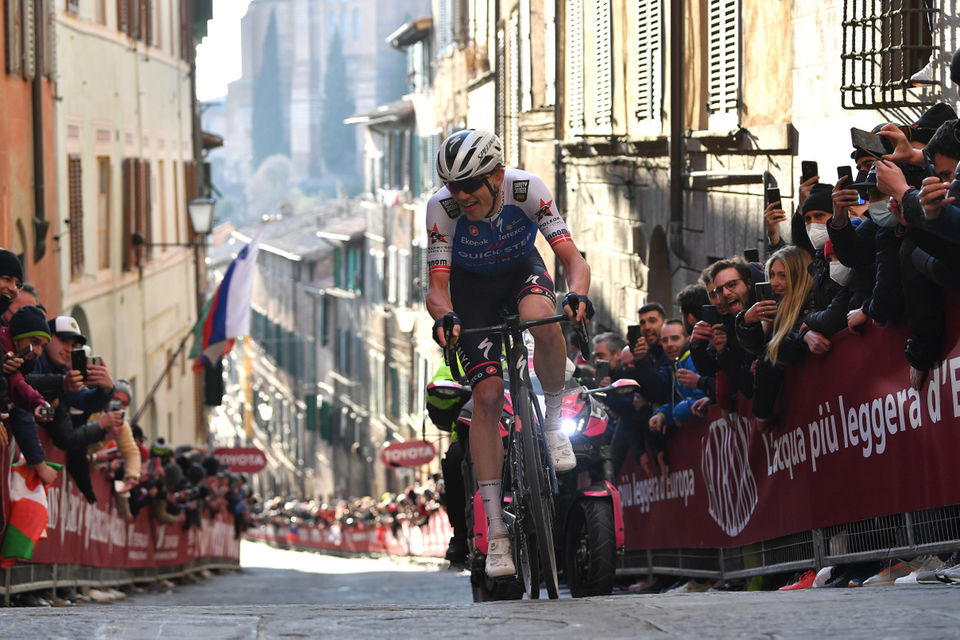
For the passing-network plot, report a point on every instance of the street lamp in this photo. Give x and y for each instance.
(200, 211)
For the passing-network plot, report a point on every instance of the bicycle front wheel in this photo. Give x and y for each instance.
(538, 493)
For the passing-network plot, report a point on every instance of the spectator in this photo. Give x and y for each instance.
(685, 398)
(772, 329)
(651, 367)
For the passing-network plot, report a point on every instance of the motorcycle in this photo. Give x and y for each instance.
(589, 510)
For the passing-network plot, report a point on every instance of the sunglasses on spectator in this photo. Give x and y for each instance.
(467, 186)
(729, 285)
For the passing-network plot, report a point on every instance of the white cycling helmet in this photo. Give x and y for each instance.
(469, 153)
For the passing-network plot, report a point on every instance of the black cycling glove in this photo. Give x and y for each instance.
(574, 300)
(438, 323)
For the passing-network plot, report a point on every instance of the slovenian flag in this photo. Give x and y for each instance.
(227, 314)
(28, 514)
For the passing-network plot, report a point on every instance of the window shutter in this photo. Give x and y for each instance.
(550, 51)
(13, 18)
(129, 258)
(513, 117)
(723, 49)
(444, 27)
(49, 40)
(148, 205)
(123, 16)
(526, 53)
(29, 39)
(649, 60)
(603, 65)
(146, 21)
(74, 178)
(574, 64)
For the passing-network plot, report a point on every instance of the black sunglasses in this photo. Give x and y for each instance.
(467, 186)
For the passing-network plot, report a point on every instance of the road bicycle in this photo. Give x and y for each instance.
(529, 479)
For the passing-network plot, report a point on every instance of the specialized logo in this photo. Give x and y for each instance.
(544, 210)
(485, 346)
(473, 230)
(533, 279)
(436, 236)
(451, 207)
(520, 188)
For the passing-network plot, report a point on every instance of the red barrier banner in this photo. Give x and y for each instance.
(853, 441)
(403, 539)
(96, 535)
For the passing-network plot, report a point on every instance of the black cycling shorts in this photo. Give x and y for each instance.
(481, 299)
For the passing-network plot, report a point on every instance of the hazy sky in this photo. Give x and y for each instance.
(218, 56)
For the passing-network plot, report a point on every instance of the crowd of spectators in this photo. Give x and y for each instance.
(414, 505)
(53, 382)
(879, 248)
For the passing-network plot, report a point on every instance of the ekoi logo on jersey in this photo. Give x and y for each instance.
(544, 210)
(436, 236)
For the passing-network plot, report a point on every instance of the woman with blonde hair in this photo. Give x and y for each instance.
(772, 329)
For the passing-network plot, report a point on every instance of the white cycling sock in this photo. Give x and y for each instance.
(493, 505)
(552, 419)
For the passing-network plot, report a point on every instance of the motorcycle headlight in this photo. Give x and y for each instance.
(568, 426)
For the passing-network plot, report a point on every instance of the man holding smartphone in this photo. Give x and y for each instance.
(70, 431)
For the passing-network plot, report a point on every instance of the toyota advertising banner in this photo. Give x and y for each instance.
(853, 440)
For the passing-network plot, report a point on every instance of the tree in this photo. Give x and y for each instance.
(268, 135)
(337, 140)
(271, 189)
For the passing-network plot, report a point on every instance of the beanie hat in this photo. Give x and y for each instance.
(10, 265)
(820, 199)
(123, 386)
(28, 322)
(931, 119)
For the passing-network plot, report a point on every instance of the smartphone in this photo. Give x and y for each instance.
(47, 413)
(23, 353)
(808, 169)
(773, 195)
(751, 255)
(876, 145)
(634, 333)
(763, 291)
(95, 360)
(603, 370)
(78, 362)
(710, 314)
(115, 405)
(845, 172)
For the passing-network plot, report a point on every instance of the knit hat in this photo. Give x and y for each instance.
(28, 322)
(932, 118)
(820, 199)
(10, 265)
(123, 386)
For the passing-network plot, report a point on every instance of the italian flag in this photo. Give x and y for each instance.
(28, 514)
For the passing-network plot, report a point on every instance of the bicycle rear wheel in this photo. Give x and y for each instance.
(538, 493)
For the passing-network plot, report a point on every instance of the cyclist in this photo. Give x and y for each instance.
(482, 225)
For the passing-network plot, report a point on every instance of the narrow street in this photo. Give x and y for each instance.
(286, 594)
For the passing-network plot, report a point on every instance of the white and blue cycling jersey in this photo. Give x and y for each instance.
(499, 242)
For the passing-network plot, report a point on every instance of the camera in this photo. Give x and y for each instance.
(47, 413)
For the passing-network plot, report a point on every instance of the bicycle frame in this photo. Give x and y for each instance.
(529, 472)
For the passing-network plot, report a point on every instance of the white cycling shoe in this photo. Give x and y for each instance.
(499, 558)
(561, 451)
